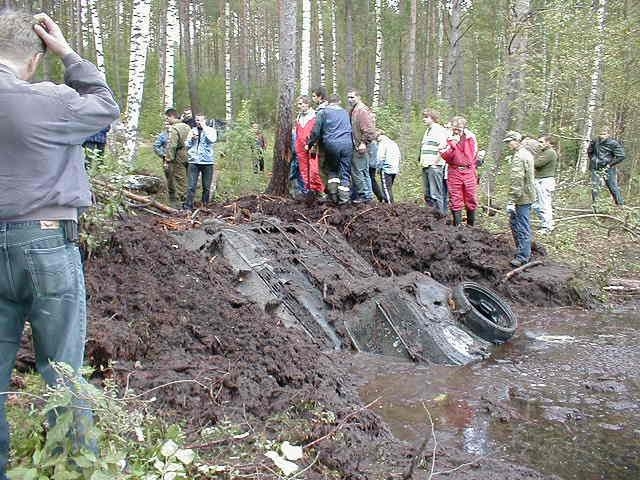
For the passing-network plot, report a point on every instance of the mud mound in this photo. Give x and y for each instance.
(401, 238)
(170, 316)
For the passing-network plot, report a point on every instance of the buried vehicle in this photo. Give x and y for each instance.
(309, 277)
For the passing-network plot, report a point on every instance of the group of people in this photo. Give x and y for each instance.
(187, 150)
(342, 149)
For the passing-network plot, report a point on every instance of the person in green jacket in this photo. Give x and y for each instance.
(545, 164)
(176, 160)
(522, 194)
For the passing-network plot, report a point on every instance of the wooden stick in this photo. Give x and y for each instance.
(520, 269)
(624, 226)
(148, 201)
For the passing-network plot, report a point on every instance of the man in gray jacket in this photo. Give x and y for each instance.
(43, 185)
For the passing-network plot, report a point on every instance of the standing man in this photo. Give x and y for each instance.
(545, 164)
(522, 194)
(604, 154)
(176, 158)
(97, 142)
(333, 129)
(307, 160)
(43, 187)
(364, 132)
(434, 141)
(200, 144)
(462, 181)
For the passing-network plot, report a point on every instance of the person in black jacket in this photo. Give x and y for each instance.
(604, 154)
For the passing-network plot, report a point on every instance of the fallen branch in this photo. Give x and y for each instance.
(146, 200)
(346, 227)
(520, 269)
(341, 424)
(624, 225)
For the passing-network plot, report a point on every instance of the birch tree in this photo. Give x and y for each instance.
(411, 60)
(227, 62)
(173, 39)
(377, 76)
(97, 35)
(287, 85)
(323, 74)
(334, 48)
(137, 63)
(594, 93)
(305, 47)
(185, 20)
(440, 62)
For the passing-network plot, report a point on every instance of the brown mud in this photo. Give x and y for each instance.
(167, 315)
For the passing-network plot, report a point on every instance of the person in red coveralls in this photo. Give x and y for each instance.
(308, 160)
(461, 155)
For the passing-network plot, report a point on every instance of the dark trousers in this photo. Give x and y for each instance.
(374, 184)
(386, 180)
(610, 178)
(338, 161)
(195, 170)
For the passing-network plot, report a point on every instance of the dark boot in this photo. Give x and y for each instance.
(471, 217)
(457, 217)
(344, 195)
(332, 191)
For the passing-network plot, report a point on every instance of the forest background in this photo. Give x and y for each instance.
(537, 66)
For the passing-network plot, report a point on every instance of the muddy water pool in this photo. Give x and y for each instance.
(562, 397)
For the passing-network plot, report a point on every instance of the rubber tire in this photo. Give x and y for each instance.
(479, 322)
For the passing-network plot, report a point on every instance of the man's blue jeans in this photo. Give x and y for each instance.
(610, 178)
(434, 185)
(195, 169)
(360, 175)
(41, 279)
(521, 229)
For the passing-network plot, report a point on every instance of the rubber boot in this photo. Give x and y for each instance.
(332, 190)
(471, 217)
(457, 217)
(344, 195)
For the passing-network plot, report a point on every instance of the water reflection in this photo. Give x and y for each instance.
(562, 397)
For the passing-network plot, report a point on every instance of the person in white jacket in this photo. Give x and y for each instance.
(389, 158)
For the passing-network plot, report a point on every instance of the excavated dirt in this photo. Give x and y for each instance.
(166, 314)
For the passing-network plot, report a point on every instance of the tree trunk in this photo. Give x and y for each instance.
(598, 54)
(411, 61)
(172, 41)
(323, 74)
(454, 89)
(192, 81)
(287, 85)
(334, 48)
(305, 48)
(137, 64)
(440, 74)
(350, 61)
(379, 44)
(512, 85)
(97, 35)
(227, 62)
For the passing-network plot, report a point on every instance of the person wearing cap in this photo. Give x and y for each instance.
(461, 155)
(522, 193)
(604, 154)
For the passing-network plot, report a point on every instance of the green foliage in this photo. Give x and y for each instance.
(152, 112)
(235, 158)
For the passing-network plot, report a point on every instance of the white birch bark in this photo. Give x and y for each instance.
(598, 54)
(305, 48)
(440, 74)
(227, 62)
(334, 49)
(97, 35)
(84, 26)
(137, 64)
(173, 40)
(323, 74)
(378, 68)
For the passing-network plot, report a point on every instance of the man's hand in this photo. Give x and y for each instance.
(51, 35)
(511, 208)
(362, 147)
